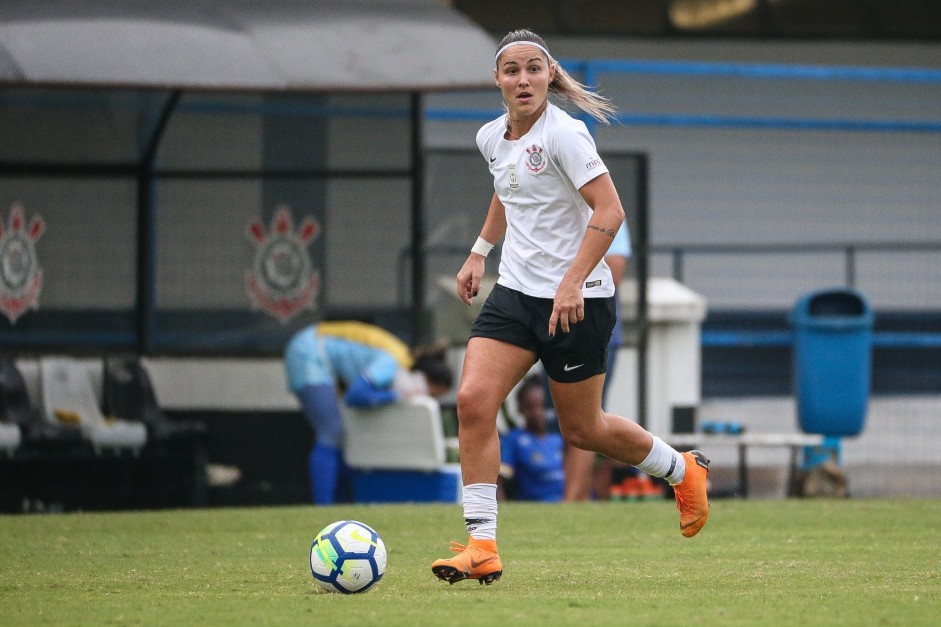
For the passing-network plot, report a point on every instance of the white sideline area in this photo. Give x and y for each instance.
(67, 387)
(220, 384)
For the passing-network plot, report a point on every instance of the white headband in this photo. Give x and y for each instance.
(521, 43)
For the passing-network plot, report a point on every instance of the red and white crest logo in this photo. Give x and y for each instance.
(535, 161)
(282, 280)
(20, 274)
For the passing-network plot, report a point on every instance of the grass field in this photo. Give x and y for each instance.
(852, 562)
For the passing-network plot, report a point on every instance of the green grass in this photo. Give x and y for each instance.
(851, 562)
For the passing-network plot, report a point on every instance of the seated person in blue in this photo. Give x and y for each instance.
(370, 367)
(531, 456)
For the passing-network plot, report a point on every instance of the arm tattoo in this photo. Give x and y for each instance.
(609, 232)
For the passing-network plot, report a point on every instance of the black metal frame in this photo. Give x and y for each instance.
(679, 252)
(145, 172)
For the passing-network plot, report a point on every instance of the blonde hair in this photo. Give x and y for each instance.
(563, 84)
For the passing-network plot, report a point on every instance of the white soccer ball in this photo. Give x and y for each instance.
(347, 556)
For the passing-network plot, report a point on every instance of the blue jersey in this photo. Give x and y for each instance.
(536, 462)
(316, 358)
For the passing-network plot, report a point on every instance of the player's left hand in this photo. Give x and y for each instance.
(469, 277)
(568, 307)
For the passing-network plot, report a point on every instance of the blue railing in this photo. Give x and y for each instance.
(589, 71)
(775, 339)
(590, 68)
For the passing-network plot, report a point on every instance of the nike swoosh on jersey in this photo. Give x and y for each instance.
(567, 367)
(492, 159)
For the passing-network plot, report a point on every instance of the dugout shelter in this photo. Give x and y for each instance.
(206, 176)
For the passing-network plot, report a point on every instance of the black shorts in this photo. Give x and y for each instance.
(511, 316)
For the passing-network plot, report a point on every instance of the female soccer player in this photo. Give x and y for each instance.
(558, 210)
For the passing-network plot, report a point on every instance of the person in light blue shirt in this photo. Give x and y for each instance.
(617, 257)
(531, 456)
(372, 368)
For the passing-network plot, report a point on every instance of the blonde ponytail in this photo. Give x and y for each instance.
(593, 104)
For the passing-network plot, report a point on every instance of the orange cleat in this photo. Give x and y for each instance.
(478, 560)
(690, 493)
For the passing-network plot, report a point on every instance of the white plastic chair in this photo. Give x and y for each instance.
(400, 436)
(67, 391)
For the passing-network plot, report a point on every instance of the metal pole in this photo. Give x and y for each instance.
(850, 266)
(418, 223)
(146, 229)
(643, 271)
(678, 264)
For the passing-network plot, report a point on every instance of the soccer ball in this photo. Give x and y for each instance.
(347, 556)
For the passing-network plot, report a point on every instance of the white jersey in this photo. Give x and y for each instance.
(537, 178)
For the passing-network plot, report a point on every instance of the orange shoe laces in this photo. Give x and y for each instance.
(680, 499)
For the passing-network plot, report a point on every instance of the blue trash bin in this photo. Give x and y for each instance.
(832, 361)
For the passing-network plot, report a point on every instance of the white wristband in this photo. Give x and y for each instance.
(482, 247)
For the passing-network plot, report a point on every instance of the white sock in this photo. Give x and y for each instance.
(480, 510)
(664, 461)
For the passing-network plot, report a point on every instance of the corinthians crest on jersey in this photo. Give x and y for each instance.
(20, 274)
(282, 280)
(535, 159)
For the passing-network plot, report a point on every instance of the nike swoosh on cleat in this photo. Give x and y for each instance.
(690, 524)
(474, 563)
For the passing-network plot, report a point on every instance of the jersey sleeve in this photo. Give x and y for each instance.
(485, 137)
(481, 140)
(381, 370)
(575, 152)
(362, 393)
(621, 245)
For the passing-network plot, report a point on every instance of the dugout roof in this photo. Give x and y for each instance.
(243, 45)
